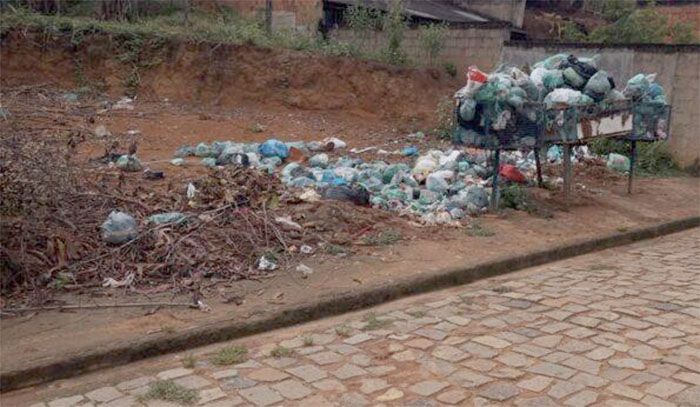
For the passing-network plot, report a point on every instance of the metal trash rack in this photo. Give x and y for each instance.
(566, 126)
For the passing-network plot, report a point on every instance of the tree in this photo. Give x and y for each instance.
(432, 39)
(394, 26)
(628, 24)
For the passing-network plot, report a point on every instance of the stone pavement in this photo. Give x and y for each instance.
(616, 328)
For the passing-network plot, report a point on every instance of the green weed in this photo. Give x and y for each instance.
(189, 361)
(373, 323)
(230, 356)
(169, 391)
(386, 237)
(281, 351)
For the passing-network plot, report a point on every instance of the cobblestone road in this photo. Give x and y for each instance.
(617, 328)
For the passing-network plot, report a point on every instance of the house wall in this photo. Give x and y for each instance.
(463, 46)
(512, 11)
(676, 68)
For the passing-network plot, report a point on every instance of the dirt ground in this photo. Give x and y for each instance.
(601, 206)
(165, 120)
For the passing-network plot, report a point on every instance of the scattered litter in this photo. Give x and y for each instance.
(409, 151)
(305, 270)
(306, 249)
(288, 222)
(334, 143)
(150, 174)
(209, 162)
(310, 195)
(101, 131)
(618, 162)
(191, 190)
(185, 151)
(120, 227)
(70, 97)
(128, 162)
(265, 264)
(178, 162)
(112, 283)
(167, 217)
(125, 103)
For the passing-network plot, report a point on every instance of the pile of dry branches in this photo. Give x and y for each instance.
(52, 206)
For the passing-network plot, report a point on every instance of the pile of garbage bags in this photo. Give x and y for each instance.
(508, 107)
(437, 187)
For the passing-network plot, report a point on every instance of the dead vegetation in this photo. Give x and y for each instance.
(54, 201)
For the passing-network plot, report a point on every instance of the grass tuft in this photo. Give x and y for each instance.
(281, 352)
(169, 391)
(373, 322)
(383, 238)
(230, 356)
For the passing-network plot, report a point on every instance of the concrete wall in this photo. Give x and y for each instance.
(286, 14)
(677, 69)
(463, 46)
(506, 10)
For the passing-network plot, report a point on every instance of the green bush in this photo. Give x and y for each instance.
(451, 69)
(432, 39)
(651, 158)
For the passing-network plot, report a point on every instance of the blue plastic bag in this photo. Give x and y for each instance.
(274, 148)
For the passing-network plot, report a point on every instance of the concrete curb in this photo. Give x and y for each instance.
(123, 353)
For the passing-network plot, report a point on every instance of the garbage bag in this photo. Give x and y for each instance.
(319, 160)
(274, 148)
(424, 165)
(208, 162)
(184, 151)
(552, 62)
(356, 194)
(467, 109)
(592, 61)
(618, 162)
(537, 75)
(598, 86)
(202, 150)
(409, 151)
(120, 227)
(552, 80)
(477, 198)
(638, 86)
(128, 162)
(563, 97)
(583, 69)
(573, 79)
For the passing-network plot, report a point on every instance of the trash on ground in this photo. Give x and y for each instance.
(618, 162)
(305, 270)
(265, 264)
(128, 162)
(120, 227)
(167, 217)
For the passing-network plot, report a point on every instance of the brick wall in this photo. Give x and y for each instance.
(463, 46)
(676, 68)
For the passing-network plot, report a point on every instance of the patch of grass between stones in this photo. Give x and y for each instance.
(281, 352)
(169, 391)
(230, 356)
(374, 323)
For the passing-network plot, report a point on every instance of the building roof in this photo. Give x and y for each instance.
(438, 10)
